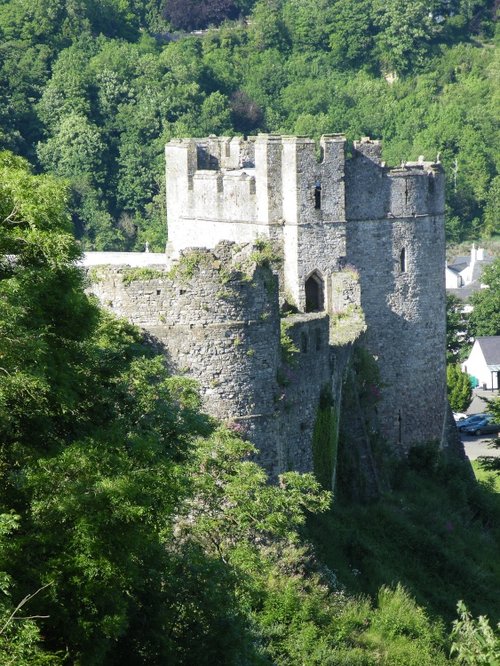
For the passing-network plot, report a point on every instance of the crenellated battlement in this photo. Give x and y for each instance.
(264, 182)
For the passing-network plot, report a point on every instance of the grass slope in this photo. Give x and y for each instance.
(436, 533)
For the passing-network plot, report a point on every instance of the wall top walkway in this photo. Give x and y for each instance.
(123, 259)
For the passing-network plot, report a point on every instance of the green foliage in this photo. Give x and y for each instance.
(459, 388)
(325, 440)
(401, 632)
(485, 317)
(289, 349)
(457, 326)
(266, 254)
(475, 643)
(187, 265)
(433, 532)
(20, 640)
(138, 274)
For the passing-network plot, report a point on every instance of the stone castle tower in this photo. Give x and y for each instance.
(354, 235)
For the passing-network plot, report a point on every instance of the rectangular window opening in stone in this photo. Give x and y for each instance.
(303, 343)
(317, 196)
(402, 261)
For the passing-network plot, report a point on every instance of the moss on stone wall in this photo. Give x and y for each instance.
(188, 264)
(289, 349)
(130, 275)
(325, 437)
(266, 254)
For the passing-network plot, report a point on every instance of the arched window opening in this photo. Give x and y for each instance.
(402, 261)
(303, 343)
(317, 196)
(314, 293)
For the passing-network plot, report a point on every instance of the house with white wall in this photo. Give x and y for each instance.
(484, 362)
(463, 274)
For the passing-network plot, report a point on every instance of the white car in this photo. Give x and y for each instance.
(459, 416)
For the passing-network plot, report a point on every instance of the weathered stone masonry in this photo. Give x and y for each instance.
(353, 234)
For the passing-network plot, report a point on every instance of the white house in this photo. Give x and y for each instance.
(484, 362)
(464, 273)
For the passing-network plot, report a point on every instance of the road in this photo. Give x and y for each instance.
(479, 446)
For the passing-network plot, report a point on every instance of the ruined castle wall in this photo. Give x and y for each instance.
(301, 383)
(222, 328)
(401, 268)
(367, 188)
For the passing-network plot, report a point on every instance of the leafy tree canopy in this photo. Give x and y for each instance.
(485, 317)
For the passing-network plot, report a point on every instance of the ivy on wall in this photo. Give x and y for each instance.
(325, 440)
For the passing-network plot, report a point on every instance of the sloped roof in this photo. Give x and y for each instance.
(459, 263)
(490, 346)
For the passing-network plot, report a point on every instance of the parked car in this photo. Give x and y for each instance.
(459, 416)
(483, 426)
(470, 420)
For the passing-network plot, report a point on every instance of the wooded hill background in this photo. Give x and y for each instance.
(92, 90)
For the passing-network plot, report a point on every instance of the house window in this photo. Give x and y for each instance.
(315, 293)
(402, 261)
(317, 196)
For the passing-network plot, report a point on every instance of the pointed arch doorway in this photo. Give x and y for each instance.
(315, 293)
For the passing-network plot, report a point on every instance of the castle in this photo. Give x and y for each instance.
(363, 251)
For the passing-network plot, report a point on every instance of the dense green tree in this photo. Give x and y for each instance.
(492, 208)
(352, 31)
(406, 31)
(485, 317)
(267, 29)
(459, 388)
(458, 341)
(20, 640)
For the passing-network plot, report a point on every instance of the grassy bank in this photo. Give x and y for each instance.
(435, 533)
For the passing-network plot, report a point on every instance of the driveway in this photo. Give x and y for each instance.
(479, 446)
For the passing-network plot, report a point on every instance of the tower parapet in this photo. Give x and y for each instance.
(376, 192)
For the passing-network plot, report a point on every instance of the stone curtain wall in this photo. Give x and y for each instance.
(300, 384)
(215, 317)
